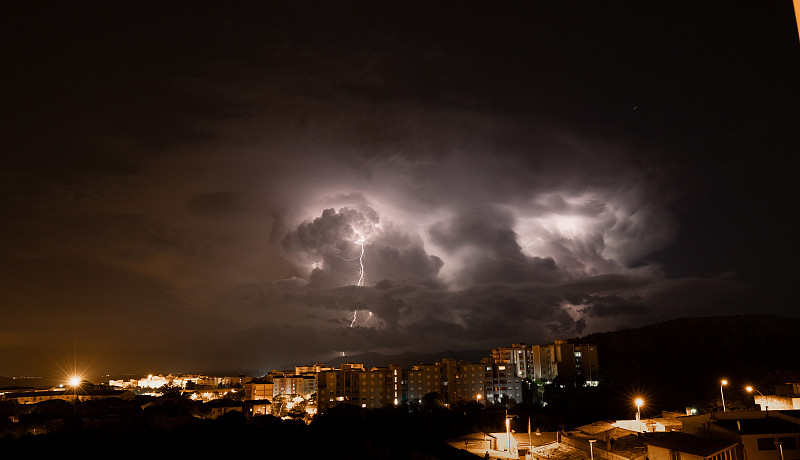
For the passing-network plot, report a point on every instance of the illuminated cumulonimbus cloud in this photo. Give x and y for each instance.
(353, 246)
(467, 226)
(458, 240)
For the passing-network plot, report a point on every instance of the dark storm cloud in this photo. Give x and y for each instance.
(492, 253)
(600, 306)
(213, 171)
(352, 246)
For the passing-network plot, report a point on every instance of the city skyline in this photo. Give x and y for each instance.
(246, 186)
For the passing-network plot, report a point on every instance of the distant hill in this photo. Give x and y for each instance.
(690, 356)
(25, 382)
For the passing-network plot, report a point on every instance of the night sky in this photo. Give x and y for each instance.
(190, 188)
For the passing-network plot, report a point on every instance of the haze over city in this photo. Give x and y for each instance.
(195, 188)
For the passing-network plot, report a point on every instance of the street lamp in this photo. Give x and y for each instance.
(508, 429)
(591, 450)
(751, 389)
(508, 432)
(722, 384)
(75, 383)
(639, 403)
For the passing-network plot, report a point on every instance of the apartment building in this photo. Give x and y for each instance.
(294, 385)
(380, 386)
(570, 362)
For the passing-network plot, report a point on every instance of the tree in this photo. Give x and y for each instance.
(170, 390)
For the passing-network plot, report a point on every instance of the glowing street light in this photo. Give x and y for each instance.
(591, 450)
(722, 393)
(751, 389)
(639, 403)
(508, 429)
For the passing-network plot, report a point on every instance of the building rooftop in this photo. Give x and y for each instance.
(793, 414)
(558, 451)
(628, 446)
(766, 425)
(690, 444)
(68, 391)
(596, 428)
(535, 439)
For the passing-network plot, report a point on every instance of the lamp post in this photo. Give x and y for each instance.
(639, 403)
(779, 445)
(75, 383)
(751, 389)
(508, 432)
(508, 429)
(591, 450)
(722, 384)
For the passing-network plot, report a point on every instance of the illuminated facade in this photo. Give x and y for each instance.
(502, 384)
(154, 381)
(258, 391)
(517, 357)
(313, 369)
(380, 386)
(570, 362)
(294, 385)
(338, 386)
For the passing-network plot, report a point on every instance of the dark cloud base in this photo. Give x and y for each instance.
(193, 186)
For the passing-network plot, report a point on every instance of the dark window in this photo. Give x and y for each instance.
(766, 443)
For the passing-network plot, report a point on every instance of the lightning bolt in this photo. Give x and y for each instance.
(365, 323)
(535, 240)
(361, 242)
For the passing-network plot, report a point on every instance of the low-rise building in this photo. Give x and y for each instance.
(68, 394)
(219, 407)
(258, 391)
(763, 435)
(255, 408)
(776, 402)
(676, 445)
